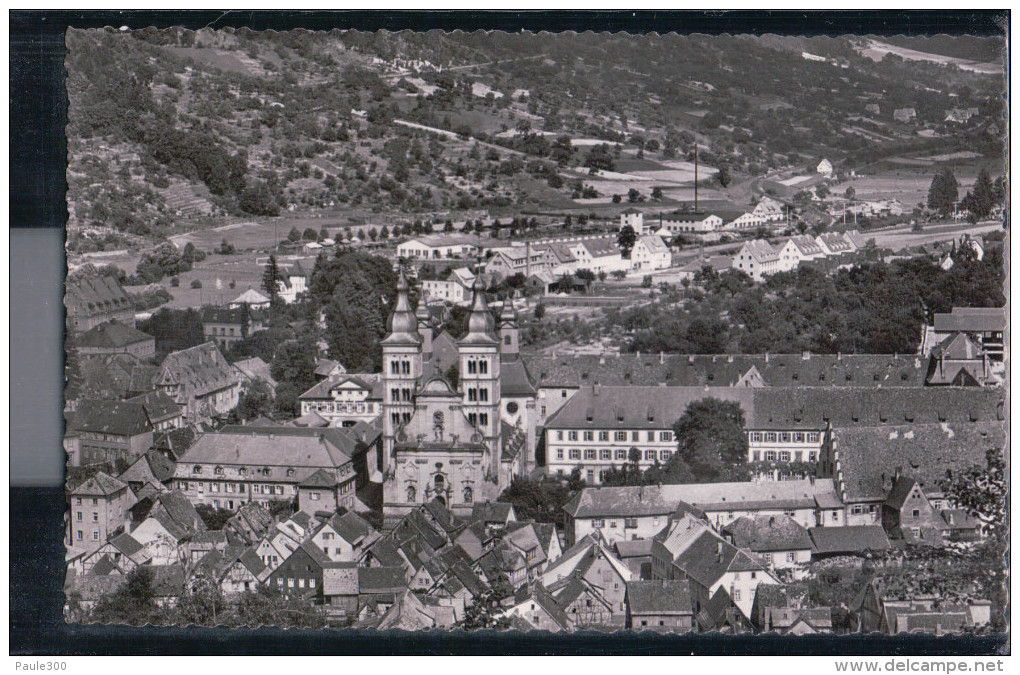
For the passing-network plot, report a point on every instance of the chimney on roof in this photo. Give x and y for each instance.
(899, 470)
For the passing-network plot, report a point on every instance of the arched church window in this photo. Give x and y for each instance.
(469, 495)
(411, 493)
(440, 483)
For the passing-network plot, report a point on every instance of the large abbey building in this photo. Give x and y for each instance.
(460, 444)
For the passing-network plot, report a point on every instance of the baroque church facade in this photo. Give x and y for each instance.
(460, 443)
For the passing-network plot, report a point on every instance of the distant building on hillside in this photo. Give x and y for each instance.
(634, 218)
(436, 247)
(758, 259)
(904, 115)
(824, 167)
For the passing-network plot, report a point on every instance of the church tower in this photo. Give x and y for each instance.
(509, 331)
(402, 366)
(480, 376)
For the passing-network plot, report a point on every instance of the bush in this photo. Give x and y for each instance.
(175, 282)
(196, 283)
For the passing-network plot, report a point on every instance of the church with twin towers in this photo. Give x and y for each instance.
(457, 437)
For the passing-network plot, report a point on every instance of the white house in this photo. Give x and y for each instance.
(758, 259)
(634, 218)
(824, 167)
(834, 243)
(252, 299)
(293, 282)
(436, 247)
(599, 255)
(770, 210)
(796, 250)
(345, 400)
(650, 253)
(455, 289)
(697, 223)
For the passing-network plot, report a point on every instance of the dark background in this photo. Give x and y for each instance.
(38, 212)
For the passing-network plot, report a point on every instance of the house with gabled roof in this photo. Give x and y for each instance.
(493, 515)
(110, 430)
(692, 550)
(250, 298)
(852, 540)
(779, 541)
(254, 369)
(124, 551)
(908, 515)
(345, 399)
(758, 259)
(235, 569)
(796, 250)
(592, 561)
(660, 606)
(301, 573)
(114, 337)
(650, 254)
(241, 464)
(585, 604)
(345, 538)
(201, 380)
(93, 300)
(866, 462)
(99, 507)
(539, 610)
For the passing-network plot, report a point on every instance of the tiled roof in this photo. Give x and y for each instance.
(385, 553)
(654, 244)
(202, 369)
(869, 457)
(848, 540)
(601, 407)
(515, 379)
(636, 548)
(277, 452)
(320, 479)
(602, 247)
(150, 467)
(250, 297)
(351, 527)
(806, 244)
(129, 546)
(237, 315)
(98, 294)
(856, 238)
(105, 566)
(971, 320)
(761, 250)
(491, 511)
(783, 494)
(768, 533)
(100, 484)
(118, 418)
(310, 420)
(381, 579)
(814, 407)
(659, 597)
(158, 405)
(835, 242)
(623, 502)
(256, 369)
(112, 335)
(321, 390)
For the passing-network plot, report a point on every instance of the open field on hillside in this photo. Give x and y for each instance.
(877, 50)
(900, 237)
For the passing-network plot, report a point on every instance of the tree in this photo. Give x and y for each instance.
(294, 235)
(626, 240)
(256, 399)
(539, 312)
(213, 517)
(943, 192)
(979, 201)
(271, 279)
(712, 445)
(656, 192)
(850, 193)
(384, 233)
(617, 199)
(373, 233)
(619, 274)
(602, 275)
(981, 491)
(634, 196)
(196, 283)
(295, 364)
(310, 234)
(723, 176)
(133, 603)
(484, 613)
(540, 500)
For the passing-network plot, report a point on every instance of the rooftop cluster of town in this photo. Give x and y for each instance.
(384, 503)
